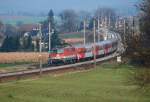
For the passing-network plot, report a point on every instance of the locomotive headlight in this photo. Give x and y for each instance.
(58, 56)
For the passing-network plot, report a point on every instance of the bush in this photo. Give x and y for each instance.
(141, 57)
(141, 77)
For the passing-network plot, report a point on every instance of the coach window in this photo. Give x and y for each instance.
(88, 50)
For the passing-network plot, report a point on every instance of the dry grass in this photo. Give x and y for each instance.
(16, 57)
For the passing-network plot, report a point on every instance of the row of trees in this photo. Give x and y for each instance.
(139, 44)
(66, 21)
(55, 40)
(144, 39)
(134, 34)
(17, 43)
(16, 40)
(72, 21)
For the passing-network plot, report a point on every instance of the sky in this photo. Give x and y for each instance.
(122, 6)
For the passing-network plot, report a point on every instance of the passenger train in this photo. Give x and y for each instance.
(74, 54)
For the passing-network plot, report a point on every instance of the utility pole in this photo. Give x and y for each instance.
(133, 27)
(98, 29)
(105, 22)
(124, 31)
(84, 32)
(49, 36)
(40, 43)
(106, 27)
(102, 20)
(109, 24)
(117, 23)
(94, 29)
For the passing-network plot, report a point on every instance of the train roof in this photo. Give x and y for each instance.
(89, 45)
(82, 45)
(99, 43)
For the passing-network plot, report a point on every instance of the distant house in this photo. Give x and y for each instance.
(31, 29)
(28, 27)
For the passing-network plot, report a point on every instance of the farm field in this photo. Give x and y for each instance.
(24, 19)
(16, 57)
(72, 35)
(76, 37)
(15, 61)
(106, 83)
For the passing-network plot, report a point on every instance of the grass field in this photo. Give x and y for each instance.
(107, 83)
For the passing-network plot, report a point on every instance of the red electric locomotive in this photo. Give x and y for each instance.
(62, 55)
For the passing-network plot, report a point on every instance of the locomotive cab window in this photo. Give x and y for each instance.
(53, 51)
(57, 51)
(60, 51)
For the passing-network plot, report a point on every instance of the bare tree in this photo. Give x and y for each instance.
(108, 14)
(145, 22)
(85, 15)
(145, 31)
(140, 44)
(69, 20)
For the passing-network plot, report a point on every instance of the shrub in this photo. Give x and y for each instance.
(141, 77)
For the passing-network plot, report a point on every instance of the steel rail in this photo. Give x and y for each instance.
(19, 73)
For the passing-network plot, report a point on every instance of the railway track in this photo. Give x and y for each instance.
(36, 72)
(71, 67)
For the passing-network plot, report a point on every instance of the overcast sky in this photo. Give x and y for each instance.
(124, 6)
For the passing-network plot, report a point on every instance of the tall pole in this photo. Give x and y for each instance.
(124, 31)
(49, 36)
(102, 20)
(106, 26)
(98, 29)
(109, 21)
(84, 32)
(106, 22)
(116, 24)
(133, 27)
(40, 43)
(94, 29)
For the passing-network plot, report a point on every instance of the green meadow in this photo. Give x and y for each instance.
(106, 83)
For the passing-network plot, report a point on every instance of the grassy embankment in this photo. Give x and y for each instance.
(106, 83)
